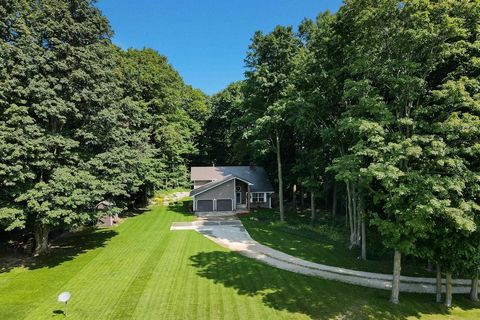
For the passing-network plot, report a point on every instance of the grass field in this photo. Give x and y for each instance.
(321, 243)
(141, 270)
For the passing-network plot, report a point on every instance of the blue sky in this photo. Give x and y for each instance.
(205, 40)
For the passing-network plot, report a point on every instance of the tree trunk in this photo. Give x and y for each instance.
(438, 288)
(448, 295)
(474, 289)
(144, 195)
(302, 199)
(325, 192)
(346, 211)
(294, 198)
(280, 178)
(312, 206)
(355, 216)
(355, 224)
(334, 201)
(397, 268)
(362, 217)
(41, 239)
(350, 214)
(364, 240)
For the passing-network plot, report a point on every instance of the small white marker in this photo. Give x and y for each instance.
(64, 297)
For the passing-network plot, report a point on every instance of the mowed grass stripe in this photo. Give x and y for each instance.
(150, 237)
(28, 288)
(28, 293)
(147, 271)
(111, 271)
(190, 296)
(125, 306)
(187, 308)
(166, 288)
(234, 271)
(259, 279)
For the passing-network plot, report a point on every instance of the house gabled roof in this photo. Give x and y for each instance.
(214, 184)
(255, 176)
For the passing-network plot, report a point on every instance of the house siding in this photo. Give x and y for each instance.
(223, 191)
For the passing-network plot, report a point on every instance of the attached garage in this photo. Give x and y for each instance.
(224, 205)
(217, 198)
(226, 191)
(204, 205)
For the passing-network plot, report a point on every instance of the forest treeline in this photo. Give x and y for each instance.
(82, 121)
(374, 109)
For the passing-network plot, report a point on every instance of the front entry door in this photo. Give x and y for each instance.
(239, 198)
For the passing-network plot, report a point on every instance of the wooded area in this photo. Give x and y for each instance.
(372, 113)
(82, 121)
(373, 110)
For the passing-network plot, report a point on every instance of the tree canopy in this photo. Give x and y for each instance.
(377, 104)
(373, 110)
(82, 121)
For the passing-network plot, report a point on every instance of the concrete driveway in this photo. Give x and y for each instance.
(231, 234)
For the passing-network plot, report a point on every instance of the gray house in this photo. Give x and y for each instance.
(230, 189)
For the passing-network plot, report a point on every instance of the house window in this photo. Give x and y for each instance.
(258, 197)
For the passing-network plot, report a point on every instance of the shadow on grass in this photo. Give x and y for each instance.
(314, 297)
(180, 208)
(58, 312)
(63, 249)
(134, 212)
(323, 243)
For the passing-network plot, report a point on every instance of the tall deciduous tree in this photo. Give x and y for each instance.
(222, 142)
(58, 106)
(270, 64)
(82, 121)
(385, 96)
(167, 112)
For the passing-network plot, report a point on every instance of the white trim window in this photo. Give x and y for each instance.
(259, 197)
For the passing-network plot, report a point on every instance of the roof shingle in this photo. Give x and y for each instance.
(257, 176)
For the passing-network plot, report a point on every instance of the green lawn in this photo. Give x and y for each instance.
(322, 243)
(141, 270)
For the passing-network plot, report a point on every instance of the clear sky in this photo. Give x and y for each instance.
(205, 40)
